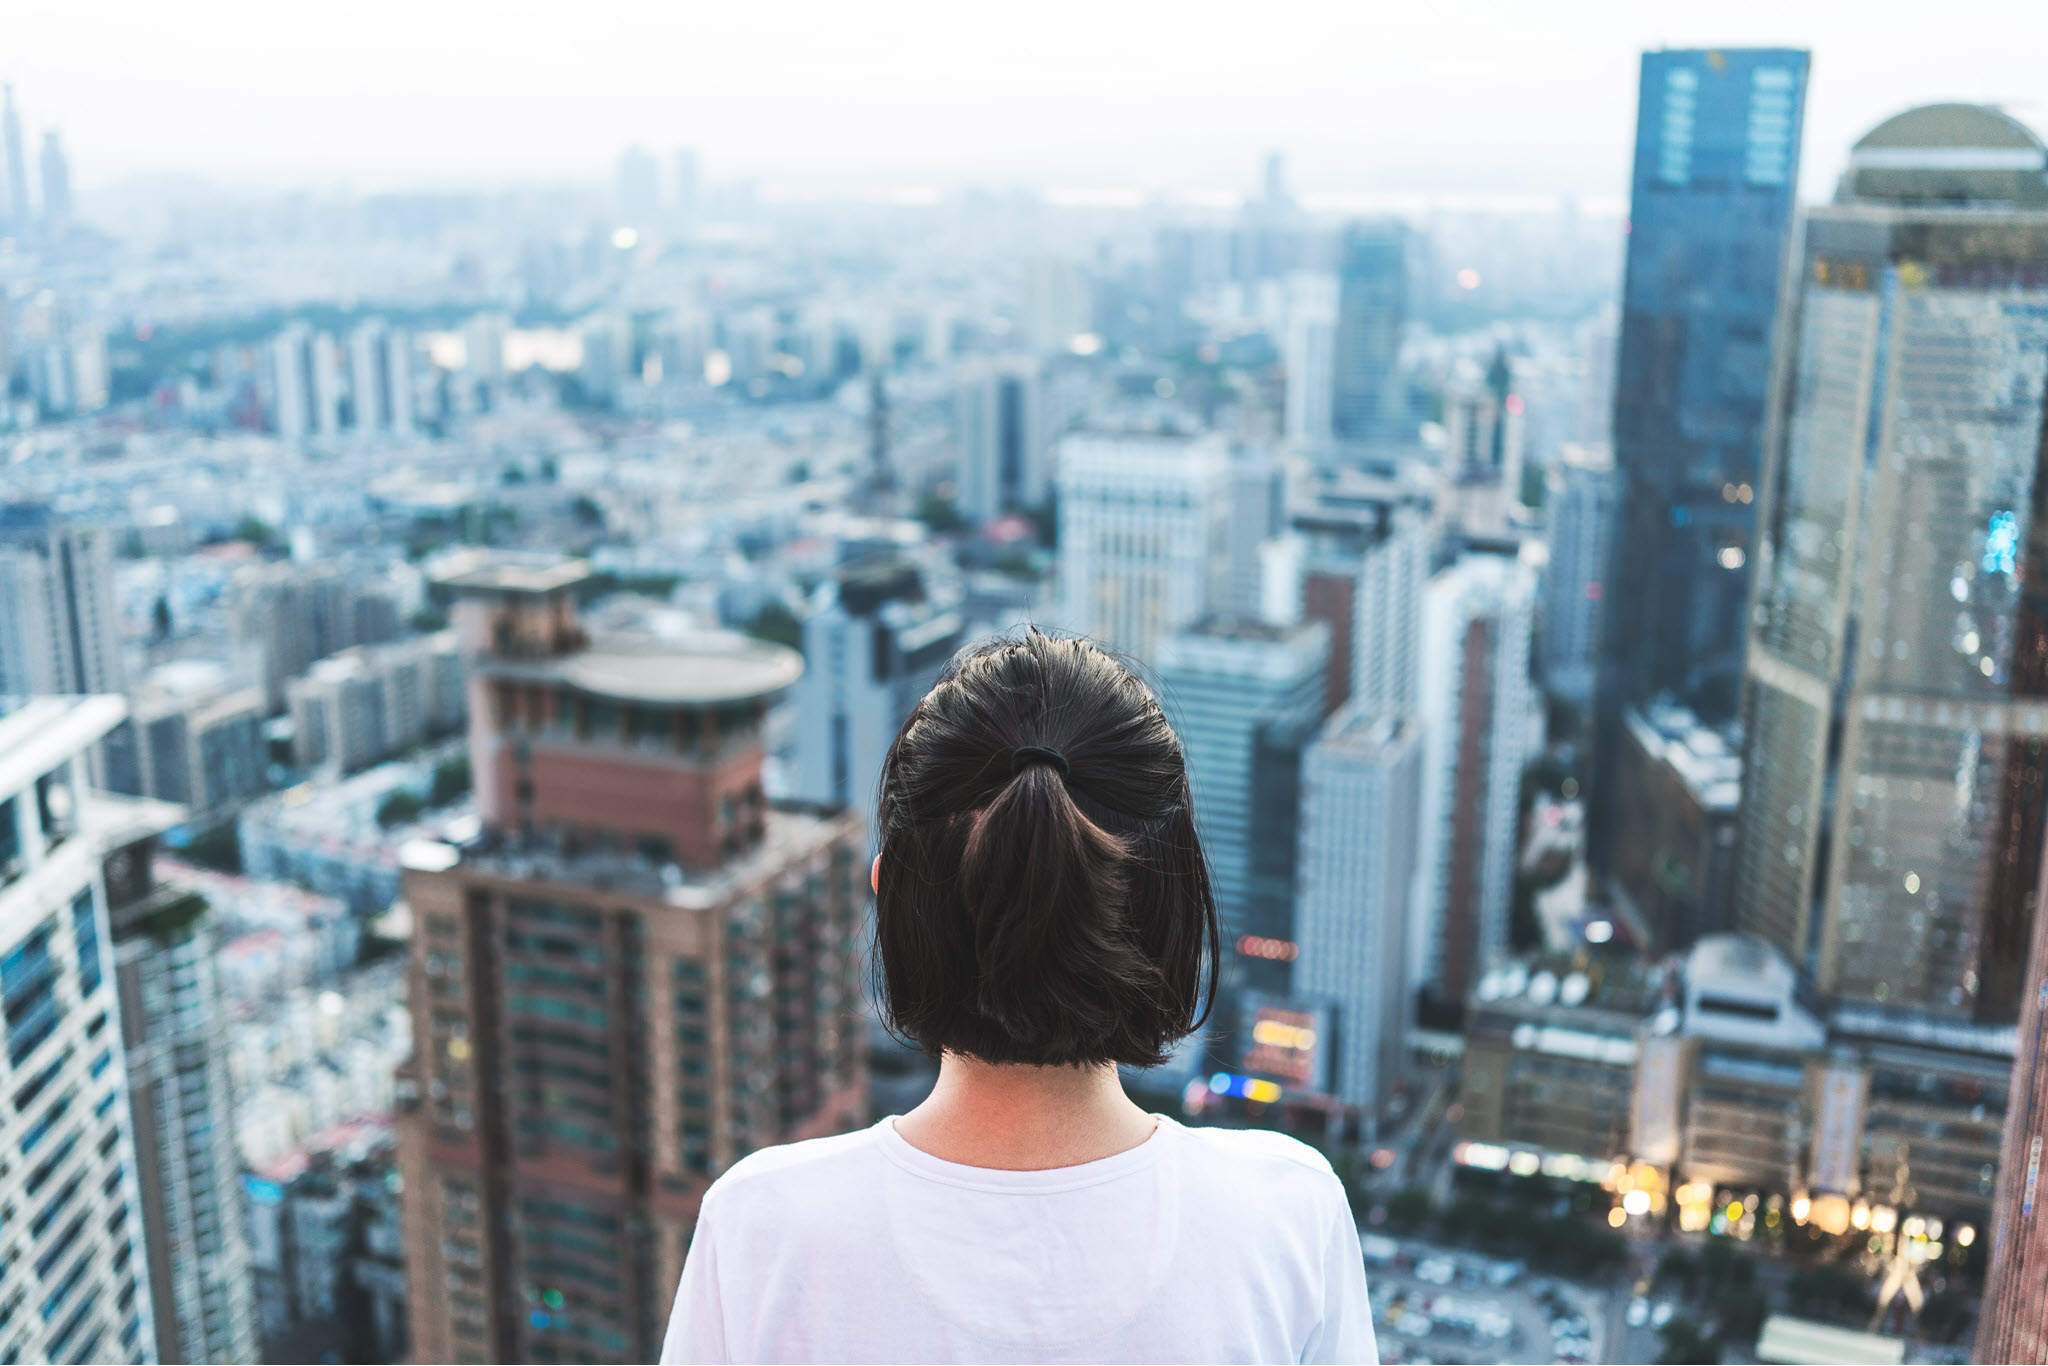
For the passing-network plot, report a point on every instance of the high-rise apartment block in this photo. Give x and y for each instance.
(292, 615)
(181, 1095)
(1367, 402)
(76, 1276)
(1005, 449)
(1360, 787)
(369, 703)
(1357, 560)
(2013, 1324)
(192, 737)
(1475, 706)
(59, 628)
(1896, 700)
(381, 378)
(1710, 220)
(1580, 508)
(872, 649)
(639, 974)
(1144, 536)
(1246, 697)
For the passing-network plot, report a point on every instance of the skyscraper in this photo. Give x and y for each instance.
(380, 378)
(873, 647)
(639, 190)
(641, 973)
(1362, 558)
(181, 1094)
(1361, 781)
(2013, 1323)
(1309, 351)
(56, 184)
(59, 628)
(1580, 508)
(1372, 306)
(1711, 207)
(1897, 689)
(1005, 455)
(77, 1264)
(291, 382)
(17, 166)
(1475, 708)
(1144, 536)
(1247, 697)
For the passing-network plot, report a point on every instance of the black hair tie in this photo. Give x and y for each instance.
(1036, 754)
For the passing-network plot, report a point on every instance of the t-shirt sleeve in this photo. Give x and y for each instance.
(696, 1326)
(1345, 1334)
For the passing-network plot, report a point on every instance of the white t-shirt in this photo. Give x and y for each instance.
(1230, 1245)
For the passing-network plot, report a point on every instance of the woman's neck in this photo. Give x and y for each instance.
(1018, 1118)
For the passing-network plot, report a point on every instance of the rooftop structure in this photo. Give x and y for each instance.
(635, 975)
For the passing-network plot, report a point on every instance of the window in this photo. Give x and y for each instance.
(1674, 145)
(28, 987)
(1767, 158)
(85, 928)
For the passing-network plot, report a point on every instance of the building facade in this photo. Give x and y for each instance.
(60, 631)
(1712, 198)
(1367, 402)
(76, 1288)
(191, 738)
(1246, 698)
(2013, 1323)
(1144, 536)
(1475, 704)
(1896, 705)
(1679, 785)
(873, 646)
(641, 973)
(1005, 449)
(1580, 509)
(181, 1097)
(1361, 782)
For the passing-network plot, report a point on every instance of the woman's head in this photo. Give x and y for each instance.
(1041, 896)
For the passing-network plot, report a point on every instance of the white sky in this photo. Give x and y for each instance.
(813, 96)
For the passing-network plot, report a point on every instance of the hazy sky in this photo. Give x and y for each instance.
(1432, 96)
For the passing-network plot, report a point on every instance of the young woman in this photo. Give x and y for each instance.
(1042, 914)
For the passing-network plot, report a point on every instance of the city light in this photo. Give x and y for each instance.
(1272, 950)
(488, 578)
(1255, 1089)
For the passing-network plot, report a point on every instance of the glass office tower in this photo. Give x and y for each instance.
(1897, 678)
(1712, 197)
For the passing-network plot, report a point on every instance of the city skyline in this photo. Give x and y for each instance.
(1474, 100)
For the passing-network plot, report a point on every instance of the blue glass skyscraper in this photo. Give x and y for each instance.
(1712, 200)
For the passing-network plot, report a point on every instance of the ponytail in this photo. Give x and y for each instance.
(1032, 908)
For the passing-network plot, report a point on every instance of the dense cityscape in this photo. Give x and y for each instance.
(448, 642)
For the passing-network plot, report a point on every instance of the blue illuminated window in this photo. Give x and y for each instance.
(1674, 145)
(1767, 158)
(86, 930)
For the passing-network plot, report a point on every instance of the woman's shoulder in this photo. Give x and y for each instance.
(1261, 1153)
(1258, 1185)
(791, 1171)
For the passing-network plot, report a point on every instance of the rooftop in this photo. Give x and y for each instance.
(507, 571)
(1949, 153)
(705, 671)
(1704, 760)
(790, 833)
(38, 733)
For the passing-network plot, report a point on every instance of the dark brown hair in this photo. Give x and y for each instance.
(1030, 914)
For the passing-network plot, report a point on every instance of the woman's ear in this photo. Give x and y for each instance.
(875, 876)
